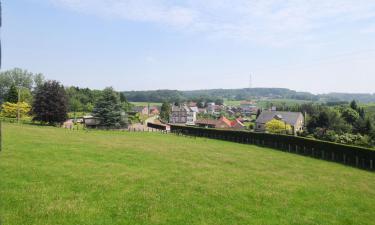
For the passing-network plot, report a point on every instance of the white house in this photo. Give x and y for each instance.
(184, 115)
(294, 119)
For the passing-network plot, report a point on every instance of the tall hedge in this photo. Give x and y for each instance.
(349, 155)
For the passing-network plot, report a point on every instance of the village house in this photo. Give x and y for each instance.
(154, 110)
(294, 119)
(143, 110)
(248, 108)
(222, 123)
(184, 115)
(202, 110)
(211, 108)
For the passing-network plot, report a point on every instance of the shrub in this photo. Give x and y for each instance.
(277, 127)
(10, 110)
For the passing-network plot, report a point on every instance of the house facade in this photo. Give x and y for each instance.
(249, 108)
(183, 115)
(294, 119)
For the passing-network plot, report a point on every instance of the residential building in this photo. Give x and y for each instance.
(154, 110)
(222, 123)
(143, 110)
(184, 115)
(202, 110)
(211, 108)
(206, 123)
(294, 119)
(237, 125)
(248, 108)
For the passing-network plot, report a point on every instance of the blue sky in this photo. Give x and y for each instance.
(318, 46)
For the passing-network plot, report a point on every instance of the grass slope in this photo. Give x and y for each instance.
(56, 176)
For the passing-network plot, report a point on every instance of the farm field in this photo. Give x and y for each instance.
(146, 103)
(264, 103)
(369, 108)
(57, 176)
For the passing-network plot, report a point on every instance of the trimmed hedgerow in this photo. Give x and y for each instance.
(157, 126)
(350, 155)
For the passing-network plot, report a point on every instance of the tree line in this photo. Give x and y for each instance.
(242, 94)
(26, 94)
(345, 123)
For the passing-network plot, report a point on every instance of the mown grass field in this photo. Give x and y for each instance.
(55, 176)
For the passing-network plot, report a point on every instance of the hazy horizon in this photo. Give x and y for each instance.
(318, 47)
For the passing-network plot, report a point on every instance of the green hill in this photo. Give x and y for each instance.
(56, 176)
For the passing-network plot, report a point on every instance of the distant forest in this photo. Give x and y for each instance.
(242, 94)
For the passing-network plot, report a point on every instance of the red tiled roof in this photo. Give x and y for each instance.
(226, 121)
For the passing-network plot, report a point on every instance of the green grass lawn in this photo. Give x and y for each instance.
(56, 176)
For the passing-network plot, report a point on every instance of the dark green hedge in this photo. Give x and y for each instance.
(349, 155)
(157, 126)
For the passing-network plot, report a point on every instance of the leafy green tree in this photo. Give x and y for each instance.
(350, 115)
(318, 121)
(38, 80)
(219, 101)
(354, 105)
(126, 106)
(200, 104)
(26, 96)
(362, 113)
(50, 103)
(165, 111)
(328, 119)
(75, 106)
(108, 109)
(363, 126)
(12, 95)
(89, 107)
(20, 78)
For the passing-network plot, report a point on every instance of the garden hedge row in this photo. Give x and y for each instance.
(157, 126)
(350, 155)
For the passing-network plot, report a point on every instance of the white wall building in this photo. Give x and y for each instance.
(184, 115)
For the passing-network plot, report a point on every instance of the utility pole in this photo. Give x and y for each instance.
(18, 104)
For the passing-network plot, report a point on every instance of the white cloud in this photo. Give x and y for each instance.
(275, 22)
